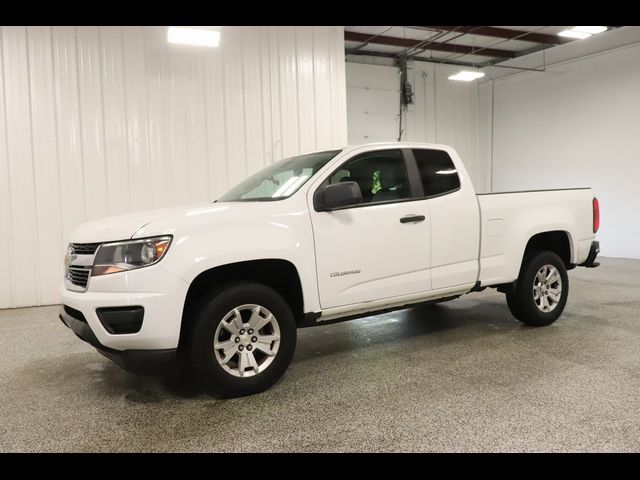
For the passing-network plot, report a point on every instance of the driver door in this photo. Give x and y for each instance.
(378, 249)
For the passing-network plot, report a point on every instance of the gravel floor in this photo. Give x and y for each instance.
(462, 376)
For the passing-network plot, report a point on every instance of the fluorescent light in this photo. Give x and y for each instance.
(466, 76)
(590, 30)
(582, 32)
(203, 37)
(574, 34)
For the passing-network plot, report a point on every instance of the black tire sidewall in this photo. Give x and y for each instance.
(525, 307)
(512, 303)
(206, 369)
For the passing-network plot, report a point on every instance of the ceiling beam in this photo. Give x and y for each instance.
(507, 33)
(426, 45)
(442, 61)
(414, 57)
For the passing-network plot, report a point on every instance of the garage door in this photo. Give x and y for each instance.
(372, 103)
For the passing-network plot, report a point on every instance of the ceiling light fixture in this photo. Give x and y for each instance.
(582, 32)
(574, 34)
(201, 36)
(466, 76)
(591, 30)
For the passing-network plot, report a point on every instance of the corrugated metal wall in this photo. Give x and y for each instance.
(444, 111)
(101, 121)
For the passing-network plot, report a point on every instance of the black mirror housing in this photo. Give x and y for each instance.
(338, 195)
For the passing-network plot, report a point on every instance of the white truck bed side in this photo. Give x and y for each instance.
(509, 220)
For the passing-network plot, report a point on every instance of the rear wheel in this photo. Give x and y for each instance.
(242, 341)
(541, 290)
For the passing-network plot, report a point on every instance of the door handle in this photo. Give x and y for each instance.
(412, 219)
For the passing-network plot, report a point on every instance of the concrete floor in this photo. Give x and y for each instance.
(462, 376)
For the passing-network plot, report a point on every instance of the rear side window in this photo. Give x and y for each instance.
(438, 174)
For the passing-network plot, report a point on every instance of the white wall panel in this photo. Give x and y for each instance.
(92, 140)
(23, 267)
(443, 111)
(68, 131)
(98, 121)
(306, 100)
(6, 218)
(288, 90)
(338, 95)
(115, 121)
(45, 159)
(577, 124)
(322, 89)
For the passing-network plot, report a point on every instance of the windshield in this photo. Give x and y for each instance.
(279, 180)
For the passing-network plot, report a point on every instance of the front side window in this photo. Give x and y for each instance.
(279, 180)
(438, 174)
(381, 175)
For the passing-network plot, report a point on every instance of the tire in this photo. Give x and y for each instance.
(537, 302)
(512, 303)
(218, 370)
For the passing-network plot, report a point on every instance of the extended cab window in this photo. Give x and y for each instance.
(438, 174)
(382, 176)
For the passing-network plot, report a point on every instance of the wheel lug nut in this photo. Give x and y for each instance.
(237, 339)
(241, 347)
(254, 339)
(249, 347)
(250, 331)
(242, 331)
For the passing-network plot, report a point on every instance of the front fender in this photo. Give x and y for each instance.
(285, 236)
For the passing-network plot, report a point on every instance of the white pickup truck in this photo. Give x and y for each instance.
(220, 289)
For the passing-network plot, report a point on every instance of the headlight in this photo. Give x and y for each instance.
(122, 256)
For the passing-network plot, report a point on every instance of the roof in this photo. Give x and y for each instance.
(438, 146)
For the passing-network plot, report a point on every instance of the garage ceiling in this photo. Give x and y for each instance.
(475, 46)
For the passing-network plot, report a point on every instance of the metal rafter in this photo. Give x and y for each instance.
(437, 46)
(507, 33)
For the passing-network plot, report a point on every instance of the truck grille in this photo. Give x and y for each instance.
(79, 275)
(84, 248)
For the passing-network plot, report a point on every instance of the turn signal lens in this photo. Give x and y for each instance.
(161, 247)
(596, 214)
(106, 269)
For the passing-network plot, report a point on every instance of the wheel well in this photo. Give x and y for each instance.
(557, 242)
(281, 275)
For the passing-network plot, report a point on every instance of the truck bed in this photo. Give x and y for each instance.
(509, 219)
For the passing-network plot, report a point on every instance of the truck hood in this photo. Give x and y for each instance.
(162, 221)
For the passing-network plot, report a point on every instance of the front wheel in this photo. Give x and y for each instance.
(541, 290)
(242, 341)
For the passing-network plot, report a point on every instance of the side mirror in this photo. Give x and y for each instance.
(338, 195)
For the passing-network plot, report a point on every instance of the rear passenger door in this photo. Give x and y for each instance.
(455, 222)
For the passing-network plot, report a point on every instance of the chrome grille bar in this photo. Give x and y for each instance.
(84, 248)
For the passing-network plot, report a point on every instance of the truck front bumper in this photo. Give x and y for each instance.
(142, 331)
(137, 361)
(593, 253)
